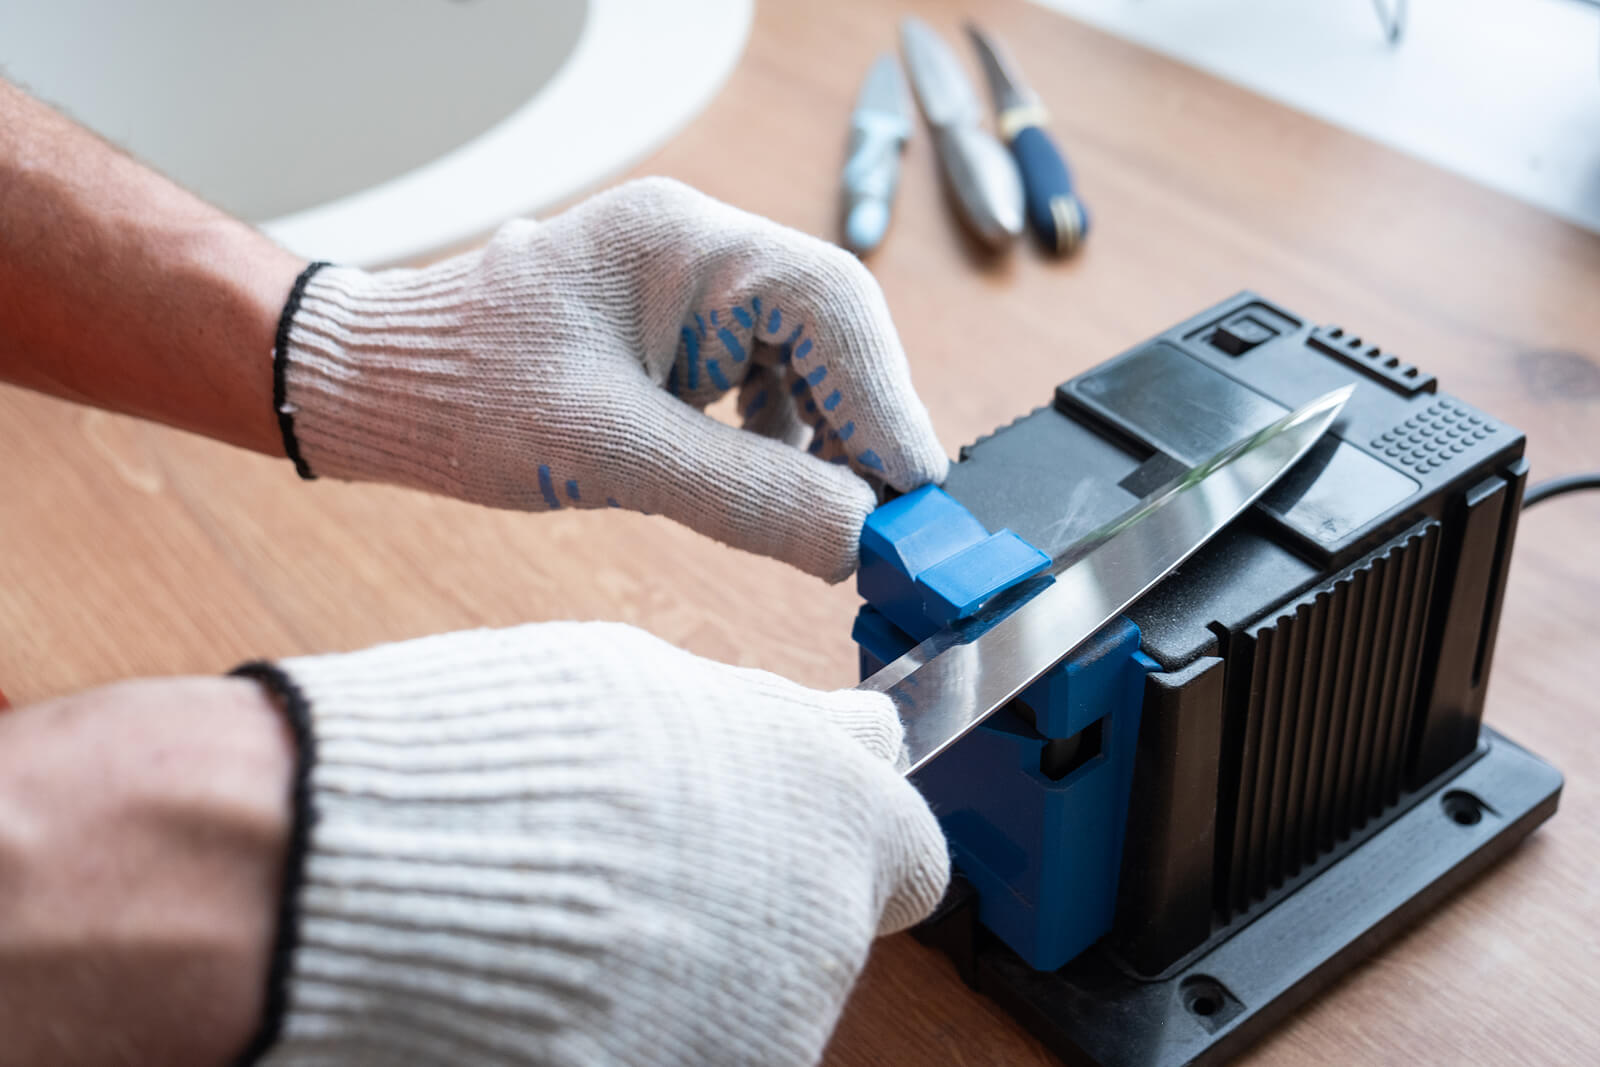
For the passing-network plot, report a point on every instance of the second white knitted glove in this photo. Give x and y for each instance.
(568, 363)
(575, 844)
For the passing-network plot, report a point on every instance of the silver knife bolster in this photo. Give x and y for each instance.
(872, 166)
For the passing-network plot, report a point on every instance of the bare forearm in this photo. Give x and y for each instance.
(142, 833)
(122, 290)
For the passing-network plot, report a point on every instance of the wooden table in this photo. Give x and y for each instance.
(128, 549)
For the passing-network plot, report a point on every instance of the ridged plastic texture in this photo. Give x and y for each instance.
(1404, 378)
(980, 439)
(1322, 729)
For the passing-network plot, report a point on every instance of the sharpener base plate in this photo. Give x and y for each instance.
(1215, 1005)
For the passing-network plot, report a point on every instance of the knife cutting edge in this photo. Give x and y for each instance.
(1054, 210)
(979, 173)
(960, 676)
(879, 129)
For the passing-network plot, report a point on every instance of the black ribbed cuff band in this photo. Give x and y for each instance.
(280, 370)
(297, 714)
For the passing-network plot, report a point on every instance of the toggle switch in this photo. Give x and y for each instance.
(1240, 335)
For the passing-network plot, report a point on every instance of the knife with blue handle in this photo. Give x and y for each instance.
(1054, 210)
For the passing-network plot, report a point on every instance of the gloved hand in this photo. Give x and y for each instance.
(572, 843)
(567, 364)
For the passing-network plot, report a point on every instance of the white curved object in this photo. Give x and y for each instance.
(376, 131)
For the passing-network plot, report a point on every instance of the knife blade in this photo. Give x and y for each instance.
(979, 174)
(879, 129)
(960, 676)
(1054, 210)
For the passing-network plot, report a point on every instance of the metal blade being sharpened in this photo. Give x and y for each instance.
(960, 676)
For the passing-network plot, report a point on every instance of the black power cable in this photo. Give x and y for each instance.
(1571, 483)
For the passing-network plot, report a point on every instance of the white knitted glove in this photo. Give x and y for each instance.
(572, 843)
(566, 365)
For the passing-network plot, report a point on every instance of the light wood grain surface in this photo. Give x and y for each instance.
(127, 549)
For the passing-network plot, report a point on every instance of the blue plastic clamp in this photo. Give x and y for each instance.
(1038, 835)
(926, 561)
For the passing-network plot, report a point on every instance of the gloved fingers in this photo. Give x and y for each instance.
(741, 488)
(913, 859)
(773, 400)
(807, 423)
(747, 282)
(870, 718)
(827, 444)
(834, 338)
(854, 397)
(768, 408)
(714, 354)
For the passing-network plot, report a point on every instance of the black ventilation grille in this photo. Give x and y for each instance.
(1321, 719)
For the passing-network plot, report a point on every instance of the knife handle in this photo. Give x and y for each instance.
(984, 181)
(1054, 210)
(871, 173)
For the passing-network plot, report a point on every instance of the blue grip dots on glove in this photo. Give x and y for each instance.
(568, 364)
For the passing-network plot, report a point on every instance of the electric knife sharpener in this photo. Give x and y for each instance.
(1276, 759)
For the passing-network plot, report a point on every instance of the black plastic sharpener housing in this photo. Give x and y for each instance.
(1312, 771)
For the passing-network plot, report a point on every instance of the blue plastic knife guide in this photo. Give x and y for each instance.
(1034, 811)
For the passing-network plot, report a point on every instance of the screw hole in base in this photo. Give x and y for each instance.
(1462, 807)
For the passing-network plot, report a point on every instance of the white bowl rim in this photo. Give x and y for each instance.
(585, 125)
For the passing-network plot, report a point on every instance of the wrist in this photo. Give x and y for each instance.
(240, 277)
(127, 292)
(143, 844)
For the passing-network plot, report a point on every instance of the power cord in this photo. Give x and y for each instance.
(1571, 483)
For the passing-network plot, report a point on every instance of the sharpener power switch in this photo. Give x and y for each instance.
(1238, 336)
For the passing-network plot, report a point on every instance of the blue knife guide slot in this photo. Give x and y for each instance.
(1034, 801)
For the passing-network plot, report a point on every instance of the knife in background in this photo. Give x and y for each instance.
(879, 129)
(978, 171)
(1054, 210)
(961, 675)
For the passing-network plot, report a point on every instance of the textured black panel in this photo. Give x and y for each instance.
(1432, 437)
(1323, 719)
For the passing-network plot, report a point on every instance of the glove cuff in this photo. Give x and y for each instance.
(360, 359)
(297, 717)
(573, 843)
(442, 900)
(280, 370)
